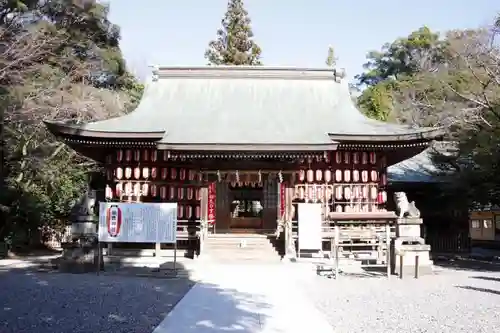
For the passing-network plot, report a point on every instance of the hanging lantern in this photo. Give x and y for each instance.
(312, 193)
(379, 198)
(306, 193)
(153, 190)
(118, 189)
(137, 189)
(329, 193)
(164, 173)
(338, 209)
(373, 192)
(347, 193)
(165, 155)
(355, 158)
(109, 174)
(302, 175)
(173, 173)
(384, 196)
(383, 161)
(338, 176)
(119, 173)
(327, 157)
(328, 176)
(310, 176)
(383, 179)
(319, 175)
(302, 194)
(145, 173)
(145, 155)
(347, 157)
(137, 155)
(320, 193)
(128, 172)
(356, 192)
(355, 176)
(191, 174)
(364, 158)
(128, 189)
(154, 155)
(364, 208)
(364, 176)
(373, 158)
(108, 192)
(145, 189)
(119, 155)
(182, 174)
(180, 193)
(338, 192)
(137, 172)
(365, 192)
(154, 172)
(347, 176)
(189, 193)
(197, 194)
(338, 157)
(163, 192)
(180, 211)
(171, 192)
(109, 159)
(189, 212)
(128, 155)
(198, 212)
(374, 175)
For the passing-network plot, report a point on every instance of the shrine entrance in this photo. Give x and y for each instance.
(246, 206)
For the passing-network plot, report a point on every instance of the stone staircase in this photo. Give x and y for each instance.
(241, 248)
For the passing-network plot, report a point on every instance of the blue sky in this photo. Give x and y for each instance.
(290, 33)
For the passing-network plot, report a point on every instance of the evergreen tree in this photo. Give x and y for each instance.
(234, 44)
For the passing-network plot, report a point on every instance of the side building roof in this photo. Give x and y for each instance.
(234, 107)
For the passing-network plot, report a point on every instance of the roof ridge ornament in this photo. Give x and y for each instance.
(156, 72)
(339, 74)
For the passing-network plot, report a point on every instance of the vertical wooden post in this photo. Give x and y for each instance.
(388, 248)
(401, 259)
(416, 264)
(336, 249)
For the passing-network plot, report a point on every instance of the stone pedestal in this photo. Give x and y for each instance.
(408, 245)
(81, 256)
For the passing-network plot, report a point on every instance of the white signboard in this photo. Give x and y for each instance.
(310, 226)
(137, 222)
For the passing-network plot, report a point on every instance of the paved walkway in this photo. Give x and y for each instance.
(245, 299)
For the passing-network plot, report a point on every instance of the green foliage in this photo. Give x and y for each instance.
(331, 59)
(234, 44)
(377, 101)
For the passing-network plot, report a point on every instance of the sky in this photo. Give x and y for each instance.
(290, 32)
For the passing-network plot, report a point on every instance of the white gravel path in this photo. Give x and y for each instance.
(450, 301)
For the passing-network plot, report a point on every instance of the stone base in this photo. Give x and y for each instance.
(409, 271)
(424, 264)
(80, 259)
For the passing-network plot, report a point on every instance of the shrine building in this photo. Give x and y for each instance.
(236, 146)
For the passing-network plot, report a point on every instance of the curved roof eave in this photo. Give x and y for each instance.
(64, 129)
(418, 134)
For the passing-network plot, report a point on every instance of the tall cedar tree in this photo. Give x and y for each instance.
(234, 44)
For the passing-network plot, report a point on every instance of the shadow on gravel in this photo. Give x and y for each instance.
(42, 300)
(467, 264)
(484, 290)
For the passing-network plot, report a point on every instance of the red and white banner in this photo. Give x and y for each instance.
(282, 200)
(211, 203)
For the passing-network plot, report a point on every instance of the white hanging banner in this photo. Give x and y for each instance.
(310, 226)
(138, 222)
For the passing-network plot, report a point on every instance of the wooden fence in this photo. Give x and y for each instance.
(441, 242)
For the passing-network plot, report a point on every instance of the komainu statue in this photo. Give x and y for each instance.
(404, 207)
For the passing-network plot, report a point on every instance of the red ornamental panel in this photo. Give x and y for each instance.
(282, 201)
(211, 203)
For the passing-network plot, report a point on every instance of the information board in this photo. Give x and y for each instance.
(310, 226)
(138, 222)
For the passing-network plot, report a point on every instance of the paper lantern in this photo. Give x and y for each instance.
(180, 193)
(119, 173)
(191, 174)
(109, 174)
(154, 172)
(119, 155)
(338, 175)
(383, 179)
(364, 176)
(365, 192)
(128, 155)
(154, 155)
(347, 176)
(180, 211)
(145, 173)
(128, 188)
(198, 212)
(328, 176)
(153, 190)
(355, 158)
(320, 193)
(137, 155)
(355, 176)
(374, 175)
(108, 192)
(189, 212)
(373, 192)
(182, 174)
(145, 189)
(302, 193)
(118, 189)
(347, 157)
(173, 173)
(163, 192)
(338, 208)
(165, 155)
(373, 158)
(338, 192)
(128, 172)
(164, 173)
(197, 194)
(171, 193)
(338, 157)
(145, 155)
(137, 172)
(137, 189)
(302, 175)
(189, 193)
(310, 176)
(347, 193)
(319, 175)
(364, 158)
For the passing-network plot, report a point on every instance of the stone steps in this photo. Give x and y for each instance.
(237, 248)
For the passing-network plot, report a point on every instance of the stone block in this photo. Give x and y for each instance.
(409, 220)
(408, 230)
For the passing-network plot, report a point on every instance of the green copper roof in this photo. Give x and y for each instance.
(249, 106)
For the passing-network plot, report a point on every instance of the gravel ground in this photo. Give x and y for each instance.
(66, 303)
(450, 301)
